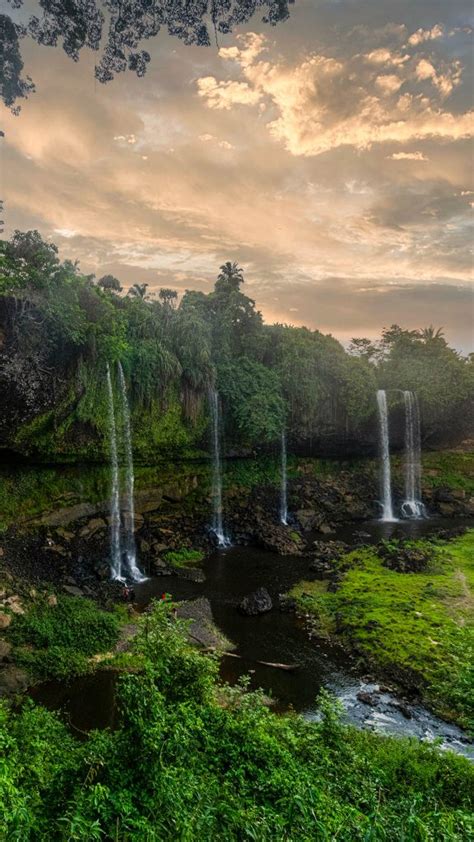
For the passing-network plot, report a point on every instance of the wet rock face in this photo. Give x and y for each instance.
(255, 603)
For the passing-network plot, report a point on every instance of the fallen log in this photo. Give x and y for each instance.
(288, 667)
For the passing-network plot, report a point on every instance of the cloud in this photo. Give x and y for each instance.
(422, 35)
(321, 103)
(407, 156)
(324, 166)
(226, 94)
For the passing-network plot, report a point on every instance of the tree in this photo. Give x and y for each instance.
(139, 291)
(430, 334)
(229, 278)
(110, 283)
(363, 347)
(81, 24)
(169, 297)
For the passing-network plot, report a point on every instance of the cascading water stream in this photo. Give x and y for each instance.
(386, 480)
(115, 548)
(284, 483)
(412, 506)
(129, 517)
(217, 523)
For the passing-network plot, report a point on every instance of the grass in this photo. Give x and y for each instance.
(417, 628)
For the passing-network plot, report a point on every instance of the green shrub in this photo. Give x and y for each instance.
(58, 640)
(183, 557)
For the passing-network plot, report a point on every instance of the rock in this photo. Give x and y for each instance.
(52, 600)
(92, 527)
(55, 548)
(447, 509)
(73, 590)
(402, 707)
(12, 680)
(144, 546)
(14, 604)
(5, 649)
(202, 630)
(64, 534)
(325, 529)
(306, 518)
(322, 569)
(62, 517)
(257, 602)
(2, 552)
(288, 605)
(368, 698)
(404, 559)
(5, 620)
(102, 570)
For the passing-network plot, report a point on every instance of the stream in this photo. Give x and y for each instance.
(230, 574)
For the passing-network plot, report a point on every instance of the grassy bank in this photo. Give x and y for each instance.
(194, 760)
(415, 627)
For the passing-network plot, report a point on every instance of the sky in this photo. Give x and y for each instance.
(330, 156)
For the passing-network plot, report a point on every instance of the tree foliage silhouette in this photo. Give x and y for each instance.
(76, 24)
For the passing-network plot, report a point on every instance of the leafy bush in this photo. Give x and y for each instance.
(62, 637)
(183, 557)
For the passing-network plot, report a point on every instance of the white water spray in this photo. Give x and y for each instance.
(412, 506)
(129, 515)
(386, 479)
(284, 483)
(217, 524)
(115, 548)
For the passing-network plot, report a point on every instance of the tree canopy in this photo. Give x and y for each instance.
(59, 327)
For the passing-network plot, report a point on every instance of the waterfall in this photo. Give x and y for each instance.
(115, 548)
(129, 517)
(217, 525)
(283, 483)
(386, 482)
(412, 505)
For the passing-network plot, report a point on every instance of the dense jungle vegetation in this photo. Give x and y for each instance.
(59, 328)
(192, 759)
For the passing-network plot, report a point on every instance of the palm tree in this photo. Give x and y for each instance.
(429, 334)
(139, 291)
(230, 277)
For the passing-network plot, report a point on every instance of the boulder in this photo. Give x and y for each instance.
(5, 620)
(202, 630)
(12, 680)
(5, 649)
(307, 519)
(15, 605)
(52, 600)
(368, 698)
(73, 590)
(255, 603)
(93, 526)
